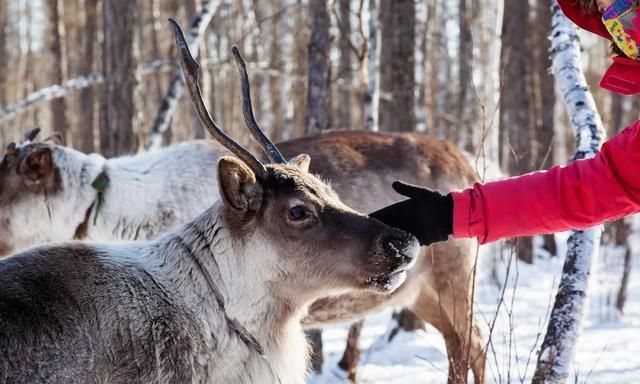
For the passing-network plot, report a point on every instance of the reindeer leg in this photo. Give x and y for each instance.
(315, 343)
(351, 356)
(478, 354)
(452, 318)
(427, 308)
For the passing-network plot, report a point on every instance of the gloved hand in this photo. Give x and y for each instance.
(427, 214)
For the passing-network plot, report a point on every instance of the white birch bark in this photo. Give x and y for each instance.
(493, 17)
(558, 347)
(172, 97)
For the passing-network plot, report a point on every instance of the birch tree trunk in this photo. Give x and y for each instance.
(557, 351)
(372, 96)
(319, 92)
(170, 101)
(117, 106)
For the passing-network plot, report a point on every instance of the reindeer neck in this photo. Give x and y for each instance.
(77, 171)
(152, 193)
(231, 292)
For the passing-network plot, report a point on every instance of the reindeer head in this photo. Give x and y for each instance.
(31, 202)
(290, 217)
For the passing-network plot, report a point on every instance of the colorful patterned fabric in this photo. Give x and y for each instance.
(620, 19)
(616, 9)
(623, 76)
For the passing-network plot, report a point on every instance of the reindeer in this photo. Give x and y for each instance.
(52, 193)
(218, 300)
(49, 193)
(439, 289)
(46, 195)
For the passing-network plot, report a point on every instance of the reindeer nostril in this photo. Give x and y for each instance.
(401, 245)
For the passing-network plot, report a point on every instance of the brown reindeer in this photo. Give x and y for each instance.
(361, 167)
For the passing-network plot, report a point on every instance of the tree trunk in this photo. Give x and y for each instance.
(4, 54)
(397, 65)
(515, 121)
(544, 97)
(169, 103)
(343, 110)
(545, 86)
(493, 18)
(299, 70)
(422, 14)
(622, 226)
(557, 351)
(85, 141)
(432, 91)
(58, 64)
(621, 297)
(318, 93)
(466, 98)
(117, 104)
(372, 96)
(276, 62)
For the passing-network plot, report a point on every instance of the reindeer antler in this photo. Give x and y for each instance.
(190, 70)
(30, 135)
(267, 145)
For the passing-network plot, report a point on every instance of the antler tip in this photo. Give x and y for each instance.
(31, 134)
(173, 23)
(190, 64)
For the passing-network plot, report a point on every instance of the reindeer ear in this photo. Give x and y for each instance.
(56, 138)
(301, 161)
(238, 185)
(37, 165)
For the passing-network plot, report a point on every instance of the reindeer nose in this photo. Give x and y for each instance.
(401, 245)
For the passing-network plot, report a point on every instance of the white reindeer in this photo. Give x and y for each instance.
(218, 300)
(51, 193)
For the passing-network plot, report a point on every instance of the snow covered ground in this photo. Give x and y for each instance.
(608, 350)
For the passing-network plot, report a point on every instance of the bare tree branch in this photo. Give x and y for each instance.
(171, 98)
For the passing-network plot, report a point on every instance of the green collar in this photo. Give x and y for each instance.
(100, 184)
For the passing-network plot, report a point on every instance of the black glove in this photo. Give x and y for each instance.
(427, 214)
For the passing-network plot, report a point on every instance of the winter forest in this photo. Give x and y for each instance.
(493, 88)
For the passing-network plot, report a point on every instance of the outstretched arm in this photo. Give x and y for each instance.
(582, 194)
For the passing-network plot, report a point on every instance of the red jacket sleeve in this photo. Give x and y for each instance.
(576, 196)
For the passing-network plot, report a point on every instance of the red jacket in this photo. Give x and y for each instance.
(623, 76)
(576, 196)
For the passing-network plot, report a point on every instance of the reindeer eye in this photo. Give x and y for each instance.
(297, 213)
